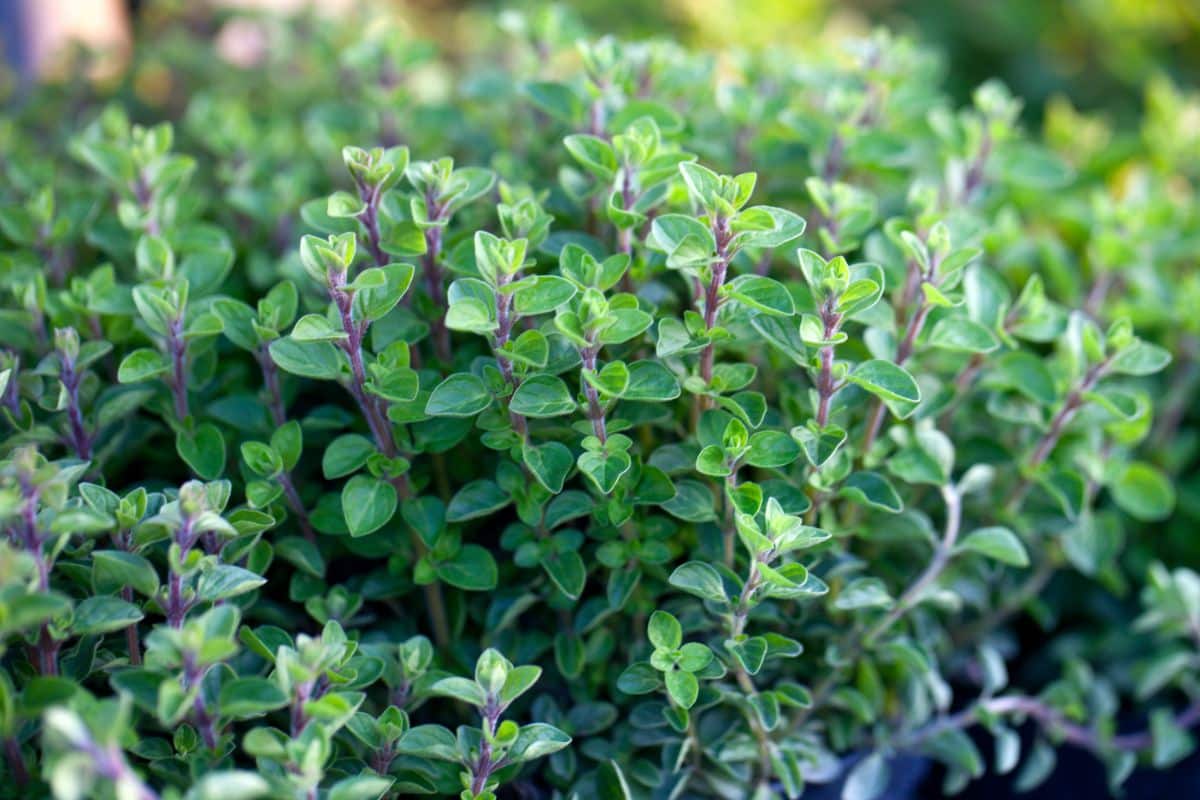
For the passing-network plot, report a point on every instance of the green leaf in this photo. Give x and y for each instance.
(261, 459)
(464, 689)
(872, 490)
(890, 383)
(762, 294)
(229, 785)
(1140, 358)
(316, 328)
(699, 579)
(1171, 743)
(1027, 374)
(375, 302)
(472, 568)
(868, 780)
(428, 741)
(476, 499)
(550, 463)
(346, 454)
(361, 787)
(770, 449)
(556, 99)
(288, 441)
(540, 294)
(537, 740)
(103, 614)
(692, 502)
(962, 335)
(650, 382)
(568, 572)
(142, 365)
(639, 678)
(225, 581)
(542, 396)
(682, 687)
(318, 360)
(116, 569)
(997, 543)
(819, 444)
(202, 450)
(245, 698)
(460, 395)
(367, 504)
(664, 631)
(604, 467)
(1144, 492)
(593, 154)
(767, 226)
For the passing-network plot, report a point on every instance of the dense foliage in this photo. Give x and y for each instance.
(588, 419)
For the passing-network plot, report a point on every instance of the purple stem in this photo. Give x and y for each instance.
(296, 504)
(712, 300)
(176, 606)
(110, 764)
(485, 766)
(381, 430)
(46, 648)
(1050, 438)
(905, 349)
(270, 375)
(504, 327)
(1050, 719)
(595, 409)
(825, 383)
(16, 760)
(177, 349)
(370, 220)
(205, 722)
(434, 281)
(81, 442)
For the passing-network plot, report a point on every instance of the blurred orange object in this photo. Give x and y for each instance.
(52, 26)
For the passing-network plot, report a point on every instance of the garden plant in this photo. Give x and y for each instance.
(568, 417)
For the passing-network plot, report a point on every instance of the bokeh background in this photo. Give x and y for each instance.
(1100, 54)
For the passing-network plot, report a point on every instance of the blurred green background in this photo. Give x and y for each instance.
(1099, 53)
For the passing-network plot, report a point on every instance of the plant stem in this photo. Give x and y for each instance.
(80, 441)
(16, 760)
(712, 302)
(193, 676)
(595, 409)
(296, 504)
(903, 352)
(504, 327)
(1012, 602)
(831, 321)
(270, 375)
(381, 431)
(855, 644)
(176, 606)
(369, 217)
(730, 537)
(737, 629)
(177, 349)
(110, 764)
(1050, 438)
(46, 648)
(434, 281)
(1050, 719)
(485, 766)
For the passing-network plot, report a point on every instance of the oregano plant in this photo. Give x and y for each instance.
(609, 420)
